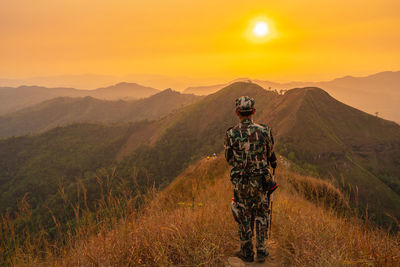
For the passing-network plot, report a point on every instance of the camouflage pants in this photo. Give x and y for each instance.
(250, 205)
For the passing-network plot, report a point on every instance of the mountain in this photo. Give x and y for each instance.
(88, 81)
(375, 93)
(335, 140)
(209, 89)
(204, 90)
(379, 92)
(319, 135)
(316, 132)
(65, 110)
(13, 99)
(123, 90)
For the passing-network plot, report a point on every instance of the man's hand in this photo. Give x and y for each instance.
(271, 186)
(274, 165)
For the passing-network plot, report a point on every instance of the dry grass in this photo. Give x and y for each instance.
(190, 223)
(185, 225)
(321, 192)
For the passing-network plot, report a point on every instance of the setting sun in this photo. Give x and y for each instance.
(261, 29)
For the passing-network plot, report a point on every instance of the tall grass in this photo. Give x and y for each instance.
(183, 225)
(316, 226)
(21, 245)
(190, 223)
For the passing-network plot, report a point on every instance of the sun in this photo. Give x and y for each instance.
(261, 29)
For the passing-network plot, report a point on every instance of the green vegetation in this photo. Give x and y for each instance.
(332, 140)
(64, 111)
(35, 167)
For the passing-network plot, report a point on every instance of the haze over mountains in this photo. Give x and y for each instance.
(374, 93)
(316, 132)
(13, 99)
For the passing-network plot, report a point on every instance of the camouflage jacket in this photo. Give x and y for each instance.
(249, 149)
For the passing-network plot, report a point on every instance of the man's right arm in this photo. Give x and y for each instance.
(271, 154)
(272, 160)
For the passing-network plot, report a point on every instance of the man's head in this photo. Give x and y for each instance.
(245, 107)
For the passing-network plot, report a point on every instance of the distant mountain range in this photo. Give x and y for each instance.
(15, 98)
(62, 111)
(375, 93)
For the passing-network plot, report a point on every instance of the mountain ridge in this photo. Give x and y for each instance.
(65, 110)
(15, 98)
(379, 92)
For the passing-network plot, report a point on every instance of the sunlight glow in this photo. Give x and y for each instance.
(261, 29)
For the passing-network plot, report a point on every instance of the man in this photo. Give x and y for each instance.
(249, 149)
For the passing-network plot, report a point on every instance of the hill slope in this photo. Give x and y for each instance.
(334, 139)
(64, 111)
(36, 167)
(13, 99)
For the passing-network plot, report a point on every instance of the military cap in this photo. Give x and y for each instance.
(244, 103)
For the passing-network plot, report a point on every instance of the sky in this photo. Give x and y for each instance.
(197, 42)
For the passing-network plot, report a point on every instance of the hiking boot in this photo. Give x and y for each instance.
(244, 257)
(261, 255)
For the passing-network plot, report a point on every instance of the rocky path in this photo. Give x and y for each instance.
(272, 260)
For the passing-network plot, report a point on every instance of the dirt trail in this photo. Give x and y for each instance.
(272, 260)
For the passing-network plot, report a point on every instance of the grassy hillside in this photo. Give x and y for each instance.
(34, 168)
(323, 135)
(190, 223)
(194, 132)
(63, 111)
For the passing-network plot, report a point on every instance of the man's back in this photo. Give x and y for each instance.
(249, 148)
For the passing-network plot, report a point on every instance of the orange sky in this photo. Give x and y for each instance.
(201, 41)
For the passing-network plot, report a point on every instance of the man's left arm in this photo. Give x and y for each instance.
(228, 149)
